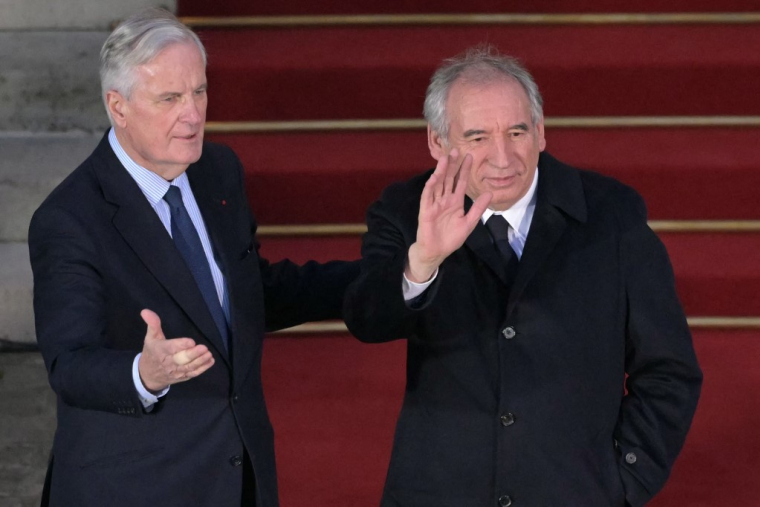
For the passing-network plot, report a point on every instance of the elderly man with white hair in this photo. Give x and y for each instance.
(151, 300)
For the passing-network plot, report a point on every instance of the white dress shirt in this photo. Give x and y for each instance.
(519, 217)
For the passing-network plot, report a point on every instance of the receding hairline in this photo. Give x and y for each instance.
(488, 79)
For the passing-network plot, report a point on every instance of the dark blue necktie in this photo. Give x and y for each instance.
(188, 243)
(499, 229)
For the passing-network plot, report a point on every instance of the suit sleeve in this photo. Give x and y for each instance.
(294, 294)
(375, 310)
(70, 317)
(664, 379)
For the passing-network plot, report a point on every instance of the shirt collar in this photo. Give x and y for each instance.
(515, 214)
(152, 185)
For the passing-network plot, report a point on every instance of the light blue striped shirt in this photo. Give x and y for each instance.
(154, 187)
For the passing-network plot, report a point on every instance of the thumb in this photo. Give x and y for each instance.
(154, 325)
(477, 209)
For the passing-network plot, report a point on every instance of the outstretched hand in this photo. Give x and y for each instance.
(165, 362)
(443, 225)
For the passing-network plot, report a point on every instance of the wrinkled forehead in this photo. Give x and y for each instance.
(487, 96)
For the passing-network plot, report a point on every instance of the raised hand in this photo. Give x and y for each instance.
(443, 225)
(165, 362)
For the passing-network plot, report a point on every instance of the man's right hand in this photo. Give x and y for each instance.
(443, 225)
(161, 362)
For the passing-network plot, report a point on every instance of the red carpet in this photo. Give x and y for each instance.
(334, 401)
(700, 173)
(302, 7)
(382, 72)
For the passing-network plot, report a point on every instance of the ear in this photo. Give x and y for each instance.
(436, 144)
(541, 138)
(117, 106)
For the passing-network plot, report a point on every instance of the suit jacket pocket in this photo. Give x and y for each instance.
(121, 458)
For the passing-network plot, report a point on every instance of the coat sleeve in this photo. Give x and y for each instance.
(70, 317)
(294, 294)
(375, 310)
(664, 378)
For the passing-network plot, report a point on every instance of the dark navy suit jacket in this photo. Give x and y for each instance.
(100, 255)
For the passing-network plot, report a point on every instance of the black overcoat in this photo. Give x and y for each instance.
(515, 394)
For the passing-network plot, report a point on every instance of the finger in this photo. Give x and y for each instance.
(441, 169)
(463, 176)
(427, 199)
(186, 356)
(153, 321)
(451, 171)
(175, 345)
(201, 368)
(198, 363)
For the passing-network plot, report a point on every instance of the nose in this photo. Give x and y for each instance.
(192, 111)
(500, 155)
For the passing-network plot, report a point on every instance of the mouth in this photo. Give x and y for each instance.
(189, 137)
(501, 182)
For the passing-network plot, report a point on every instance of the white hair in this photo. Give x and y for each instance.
(480, 65)
(137, 41)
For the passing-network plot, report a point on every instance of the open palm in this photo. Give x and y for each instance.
(443, 226)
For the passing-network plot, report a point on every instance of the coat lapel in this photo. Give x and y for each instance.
(138, 224)
(560, 198)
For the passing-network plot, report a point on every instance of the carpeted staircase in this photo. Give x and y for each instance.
(325, 112)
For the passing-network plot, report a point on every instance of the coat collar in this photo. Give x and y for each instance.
(560, 198)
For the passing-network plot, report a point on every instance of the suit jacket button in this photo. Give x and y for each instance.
(234, 397)
(630, 458)
(509, 332)
(505, 501)
(507, 419)
(236, 461)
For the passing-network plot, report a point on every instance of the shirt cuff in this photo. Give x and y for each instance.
(412, 289)
(146, 398)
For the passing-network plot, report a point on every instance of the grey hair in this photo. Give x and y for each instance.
(137, 41)
(481, 64)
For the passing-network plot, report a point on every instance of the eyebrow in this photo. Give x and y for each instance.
(473, 132)
(478, 132)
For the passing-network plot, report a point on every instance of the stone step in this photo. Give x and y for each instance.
(49, 81)
(71, 14)
(30, 167)
(16, 313)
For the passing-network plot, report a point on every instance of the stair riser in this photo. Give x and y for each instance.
(699, 173)
(282, 74)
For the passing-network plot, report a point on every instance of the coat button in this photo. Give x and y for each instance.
(509, 332)
(505, 501)
(630, 458)
(236, 461)
(234, 397)
(507, 419)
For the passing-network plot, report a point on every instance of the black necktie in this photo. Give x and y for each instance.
(188, 243)
(499, 229)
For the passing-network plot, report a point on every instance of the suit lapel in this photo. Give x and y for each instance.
(138, 224)
(218, 209)
(559, 198)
